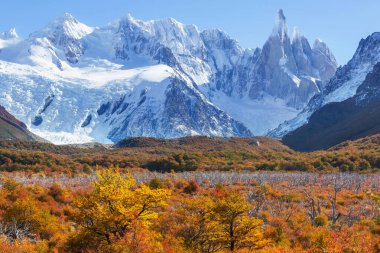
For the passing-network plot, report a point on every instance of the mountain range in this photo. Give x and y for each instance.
(72, 83)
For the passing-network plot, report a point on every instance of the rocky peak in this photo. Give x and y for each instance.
(66, 33)
(67, 17)
(68, 26)
(128, 24)
(369, 49)
(300, 42)
(278, 47)
(219, 39)
(287, 69)
(322, 47)
(63, 27)
(302, 53)
(222, 49)
(296, 34)
(281, 28)
(180, 38)
(319, 44)
(9, 34)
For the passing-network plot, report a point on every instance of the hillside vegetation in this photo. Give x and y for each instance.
(216, 195)
(190, 154)
(13, 129)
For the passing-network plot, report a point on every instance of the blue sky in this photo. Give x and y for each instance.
(340, 23)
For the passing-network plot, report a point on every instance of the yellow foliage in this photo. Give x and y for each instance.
(115, 205)
(237, 229)
(26, 213)
(214, 224)
(23, 246)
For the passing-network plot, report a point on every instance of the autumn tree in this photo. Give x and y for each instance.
(218, 222)
(115, 206)
(198, 230)
(237, 229)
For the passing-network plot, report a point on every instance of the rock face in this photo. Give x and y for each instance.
(336, 122)
(289, 68)
(286, 68)
(180, 111)
(342, 86)
(8, 35)
(13, 129)
(72, 83)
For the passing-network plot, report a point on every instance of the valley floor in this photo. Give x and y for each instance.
(190, 211)
(194, 194)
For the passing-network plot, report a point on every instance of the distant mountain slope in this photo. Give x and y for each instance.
(205, 143)
(13, 129)
(336, 122)
(192, 153)
(370, 142)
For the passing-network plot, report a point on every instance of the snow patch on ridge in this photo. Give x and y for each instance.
(61, 138)
(349, 88)
(93, 76)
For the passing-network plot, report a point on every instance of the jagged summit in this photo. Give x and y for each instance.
(318, 41)
(221, 38)
(66, 17)
(323, 50)
(128, 19)
(69, 26)
(281, 16)
(319, 44)
(296, 34)
(290, 68)
(168, 22)
(281, 20)
(281, 28)
(9, 34)
(63, 27)
(63, 36)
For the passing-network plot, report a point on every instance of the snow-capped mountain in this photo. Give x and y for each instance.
(9, 35)
(342, 86)
(290, 69)
(272, 84)
(73, 83)
(8, 38)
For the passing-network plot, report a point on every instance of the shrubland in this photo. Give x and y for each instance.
(189, 195)
(141, 211)
(190, 154)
